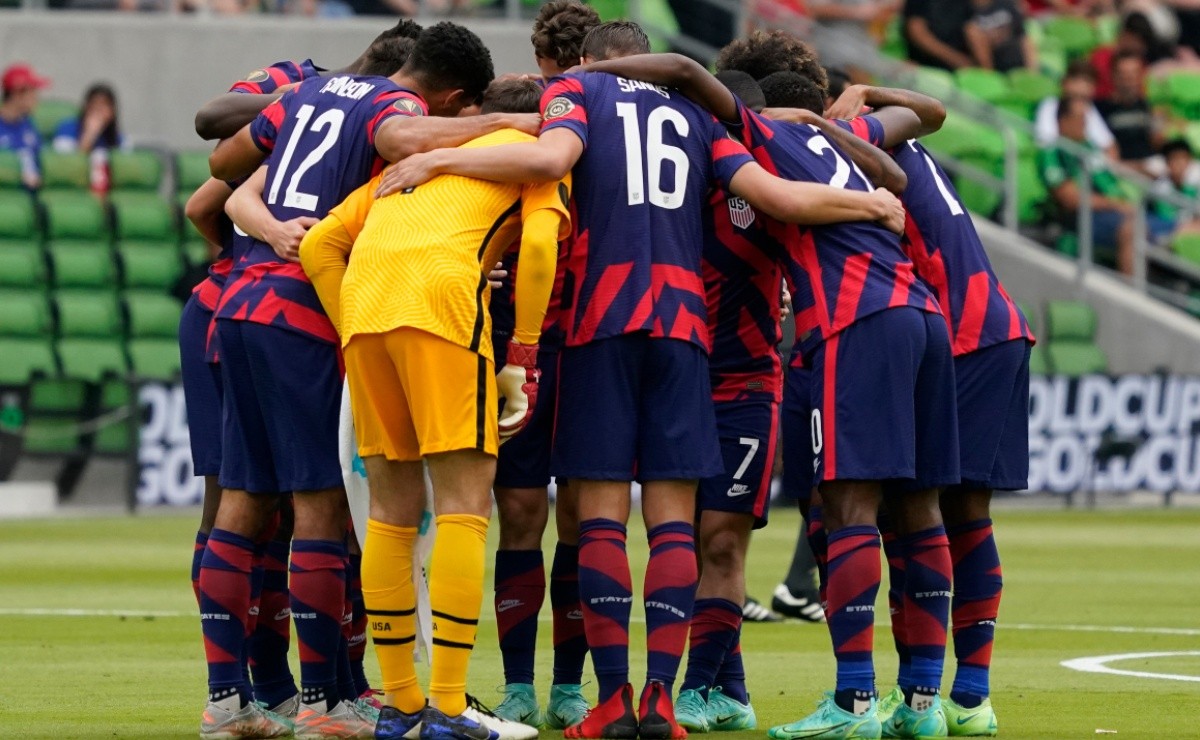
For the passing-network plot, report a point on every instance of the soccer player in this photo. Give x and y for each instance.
(991, 341)
(523, 475)
(412, 317)
(279, 357)
(634, 390)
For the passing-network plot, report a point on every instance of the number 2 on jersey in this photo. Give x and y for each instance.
(331, 121)
(656, 153)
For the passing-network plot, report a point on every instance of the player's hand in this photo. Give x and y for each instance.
(517, 383)
(285, 238)
(849, 104)
(413, 170)
(529, 123)
(891, 209)
(785, 302)
(497, 275)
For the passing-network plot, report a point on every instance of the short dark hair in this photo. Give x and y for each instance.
(839, 80)
(792, 90)
(407, 28)
(384, 58)
(1177, 146)
(1080, 68)
(615, 39)
(559, 30)
(763, 53)
(511, 94)
(745, 87)
(448, 56)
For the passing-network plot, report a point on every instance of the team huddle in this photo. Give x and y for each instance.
(582, 278)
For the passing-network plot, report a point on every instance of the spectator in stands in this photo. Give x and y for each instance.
(1129, 116)
(1079, 83)
(1112, 217)
(996, 36)
(95, 132)
(935, 31)
(1166, 219)
(20, 86)
(1070, 7)
(1136, 37)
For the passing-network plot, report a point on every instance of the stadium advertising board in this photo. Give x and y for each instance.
(1114, 434)
(164, 457)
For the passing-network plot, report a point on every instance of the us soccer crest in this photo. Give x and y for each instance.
(740, 213)
(558, 108)
(258, 75)
(406, 105)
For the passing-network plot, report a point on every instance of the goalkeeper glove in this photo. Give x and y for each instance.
(517, 383)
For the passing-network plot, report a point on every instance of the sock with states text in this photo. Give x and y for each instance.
(318, 591)
(197, 557)
(927, 574)
(455, 599)
(854, 577)
(391, 604)
(224, 608)
(894, 553)
(520, 590)
(714, 630)
(273, 680)
(358, 624)
(570, 642)
(669, 594)
(978, 582)
(606, 596)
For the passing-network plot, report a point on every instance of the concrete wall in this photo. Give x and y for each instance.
(165, 67)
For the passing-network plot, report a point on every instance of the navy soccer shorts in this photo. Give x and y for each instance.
(632, 407)
(884, 403)
(747, 430)
(993, 416)
(795, 425)
(202, 390)
(282, 397)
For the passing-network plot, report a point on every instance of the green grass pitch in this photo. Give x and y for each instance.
(1078, 584)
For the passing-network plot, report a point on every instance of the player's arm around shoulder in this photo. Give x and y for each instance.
(814, 204)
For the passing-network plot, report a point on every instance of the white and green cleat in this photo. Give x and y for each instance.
(691, 711)
(567, 706)
(909, 724)
(251, 720)
(726, 714)
(519, 705)
(831, 722)
(888, 704)
(963, 721)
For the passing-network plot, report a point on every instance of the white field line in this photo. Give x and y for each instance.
(1099, 664)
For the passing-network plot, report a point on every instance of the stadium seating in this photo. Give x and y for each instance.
(153, 331)
(1070, 339)
(50, 113)
(135, 171)
(1187, 246)
(117, 438)
(76, 215)
(1076, 36)
(149, 266)
(56, 407)
(21, 266)
(90, 346)
(18, 219)
(25, 342)
(191, 171)
(65, 171)
(81, 264)
(10, 170)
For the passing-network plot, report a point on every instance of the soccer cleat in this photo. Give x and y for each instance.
(831, 722)
(726, 714)
(753, 611)
(395, 725)
(887, 706)
(370, 698)
(249, 721)
(963, 721)
(910, 724)
(343, 721)
(503, 728)
(520, 705)
(567, 706)
(288, 708)
(367, 709)
(806, 607)
(613, 719)
(691, 711)
(656, 715)
(437, 725)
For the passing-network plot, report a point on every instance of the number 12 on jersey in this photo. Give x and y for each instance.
(637, 161)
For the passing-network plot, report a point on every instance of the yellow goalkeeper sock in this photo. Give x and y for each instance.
(455, 595)
(391, 606)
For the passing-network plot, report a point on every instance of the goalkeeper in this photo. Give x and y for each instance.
(411, 308)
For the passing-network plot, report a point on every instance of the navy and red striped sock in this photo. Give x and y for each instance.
(358, 623)
(224, 608)
(318, 592)
(197, 557)
(345, 675)
(927, 573)
(818, 541)
(893, 551)
(570, 642)
(854, 577)
(978, 582)
(606, 596)
(273, 680)
(714, 631)
(732, 675)
(669, 594)
(520, 591)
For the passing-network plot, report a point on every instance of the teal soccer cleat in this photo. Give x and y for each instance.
(726, 714)
(519, 705)
(691, 711)
(963, 721)
(831, 722)
(910, 724)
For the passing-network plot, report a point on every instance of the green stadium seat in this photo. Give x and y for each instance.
(25, 357)
(154, 359)
(92, 359)
(191, 171)
(56, 407)
(1187, 246)
(88, 313)
(149, 265)
(1052, 57)
(21, 266)
(152, 315)
(18, 217)
(139, 170)
(65, 171)
(82, 265)
(24, 313)
(117, 438)
(143, 216)
(986, 84)
(75, 216)
(977, 196)
(894, 45)
(197, 253)
(934, 82)
(1037, 361)
(50, 113)
(1070, 339)
(1157, 91)
(1076, 35)
(10, 170)
(1028, 88)
(1031, 193)
(1183, 90)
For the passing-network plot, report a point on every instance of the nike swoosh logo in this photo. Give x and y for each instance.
(820, 731)
(723, 719)
(964, 720)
